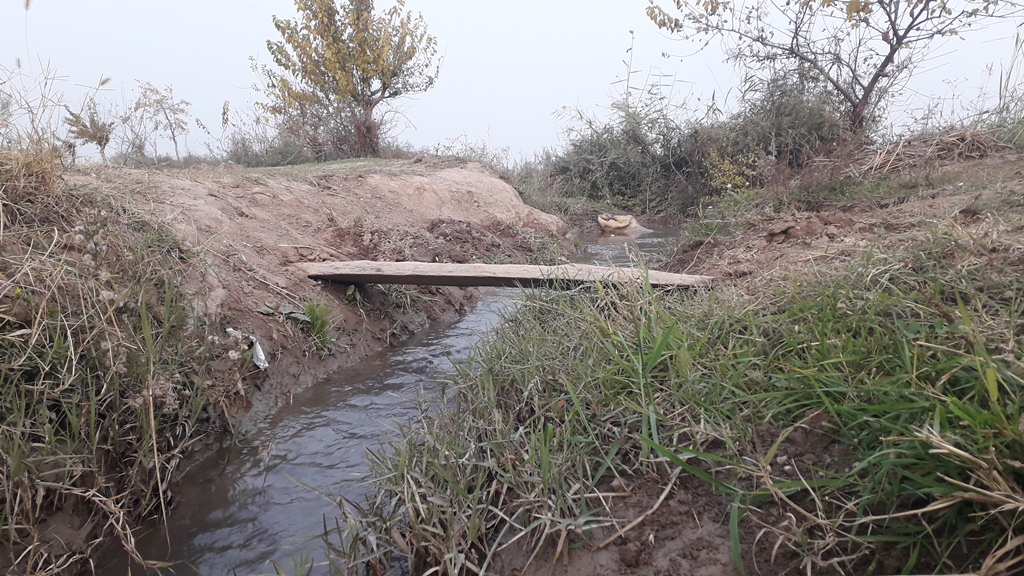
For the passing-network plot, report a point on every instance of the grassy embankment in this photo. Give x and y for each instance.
(101, 365)
(907, 358)
(901, 359)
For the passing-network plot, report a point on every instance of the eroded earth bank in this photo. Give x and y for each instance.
(146, 292)
(248, 227)
(851, 383)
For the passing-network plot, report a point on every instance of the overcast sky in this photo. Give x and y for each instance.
(509, 65)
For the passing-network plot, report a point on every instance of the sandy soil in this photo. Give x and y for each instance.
(249, 227)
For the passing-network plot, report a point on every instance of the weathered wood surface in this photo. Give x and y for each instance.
(440, 274)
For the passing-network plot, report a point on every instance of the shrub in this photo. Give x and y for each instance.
(788, 117)
(634, 160)
(647, 156)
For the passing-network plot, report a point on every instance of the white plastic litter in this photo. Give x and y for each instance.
(257, 355)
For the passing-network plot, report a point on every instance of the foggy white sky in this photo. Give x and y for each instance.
(509, 64)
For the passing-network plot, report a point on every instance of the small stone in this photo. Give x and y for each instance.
(810, 228)
(620, 485)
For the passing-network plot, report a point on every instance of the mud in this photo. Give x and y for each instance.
(687, 535)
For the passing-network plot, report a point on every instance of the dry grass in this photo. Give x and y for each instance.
(102, 377)
(101, 367)
(923, 150)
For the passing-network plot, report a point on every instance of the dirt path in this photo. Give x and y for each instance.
(248, 227)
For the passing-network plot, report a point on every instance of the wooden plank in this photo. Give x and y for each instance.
(441, 274)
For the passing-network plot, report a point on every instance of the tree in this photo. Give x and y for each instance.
(142, 123)
(860, 48)
(167, 115)
(340, 62)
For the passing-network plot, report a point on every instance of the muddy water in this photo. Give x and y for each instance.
(268, 498)
(620, 251)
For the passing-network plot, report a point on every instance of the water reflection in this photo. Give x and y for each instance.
(622, 251)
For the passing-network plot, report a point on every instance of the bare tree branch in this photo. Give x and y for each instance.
(859, 47)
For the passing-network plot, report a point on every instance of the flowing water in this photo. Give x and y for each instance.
(268, 498)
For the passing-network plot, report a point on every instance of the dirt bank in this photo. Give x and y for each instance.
(132, 300)
(773, 244)
(249, 226)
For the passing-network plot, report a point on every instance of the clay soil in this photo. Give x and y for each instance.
(688, 532)
(247, 228)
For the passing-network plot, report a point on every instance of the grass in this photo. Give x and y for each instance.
(319, 325)
(101, 367)
(97, 395)
(904, 367)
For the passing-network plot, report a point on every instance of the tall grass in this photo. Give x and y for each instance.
(319, 325)
(1006, 118)
(101, 356)
(101, 379)
(904, 369)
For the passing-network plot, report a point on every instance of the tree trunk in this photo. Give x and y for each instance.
(858, 119)
(367, 133)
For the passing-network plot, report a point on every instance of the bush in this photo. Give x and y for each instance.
(634, 160)
(253, 150)
(248, 139)
(790, 118)
(648, 157)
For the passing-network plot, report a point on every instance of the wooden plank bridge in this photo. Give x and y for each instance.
(442, 274)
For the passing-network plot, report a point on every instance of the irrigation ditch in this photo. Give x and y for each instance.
(270, 497)
(847, 397)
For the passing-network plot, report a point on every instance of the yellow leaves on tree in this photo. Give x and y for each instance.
(344, 60)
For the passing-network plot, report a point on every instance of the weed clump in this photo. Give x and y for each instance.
(27, 173)
(319, 325)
